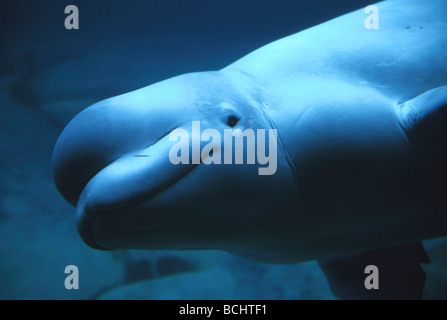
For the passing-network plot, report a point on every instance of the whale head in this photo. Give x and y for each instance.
(146, 170)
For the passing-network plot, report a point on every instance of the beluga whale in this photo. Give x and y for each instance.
(355, 118)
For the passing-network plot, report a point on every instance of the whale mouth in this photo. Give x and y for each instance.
(126, 182)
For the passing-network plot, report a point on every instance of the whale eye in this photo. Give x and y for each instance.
(232, 121)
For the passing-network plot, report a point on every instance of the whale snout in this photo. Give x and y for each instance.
(107, 161)
(123, 125)
(97, 137)
(128, 181)
(81, 152)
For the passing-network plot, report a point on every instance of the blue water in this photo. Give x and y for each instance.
(49, 74)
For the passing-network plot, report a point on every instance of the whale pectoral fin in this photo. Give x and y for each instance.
(398, 274)
(425, 116)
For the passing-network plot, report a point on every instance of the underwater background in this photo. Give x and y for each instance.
(48, 74)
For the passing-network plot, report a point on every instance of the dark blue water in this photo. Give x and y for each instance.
(49, 74)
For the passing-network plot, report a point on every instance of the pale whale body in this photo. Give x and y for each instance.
(361, 117)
